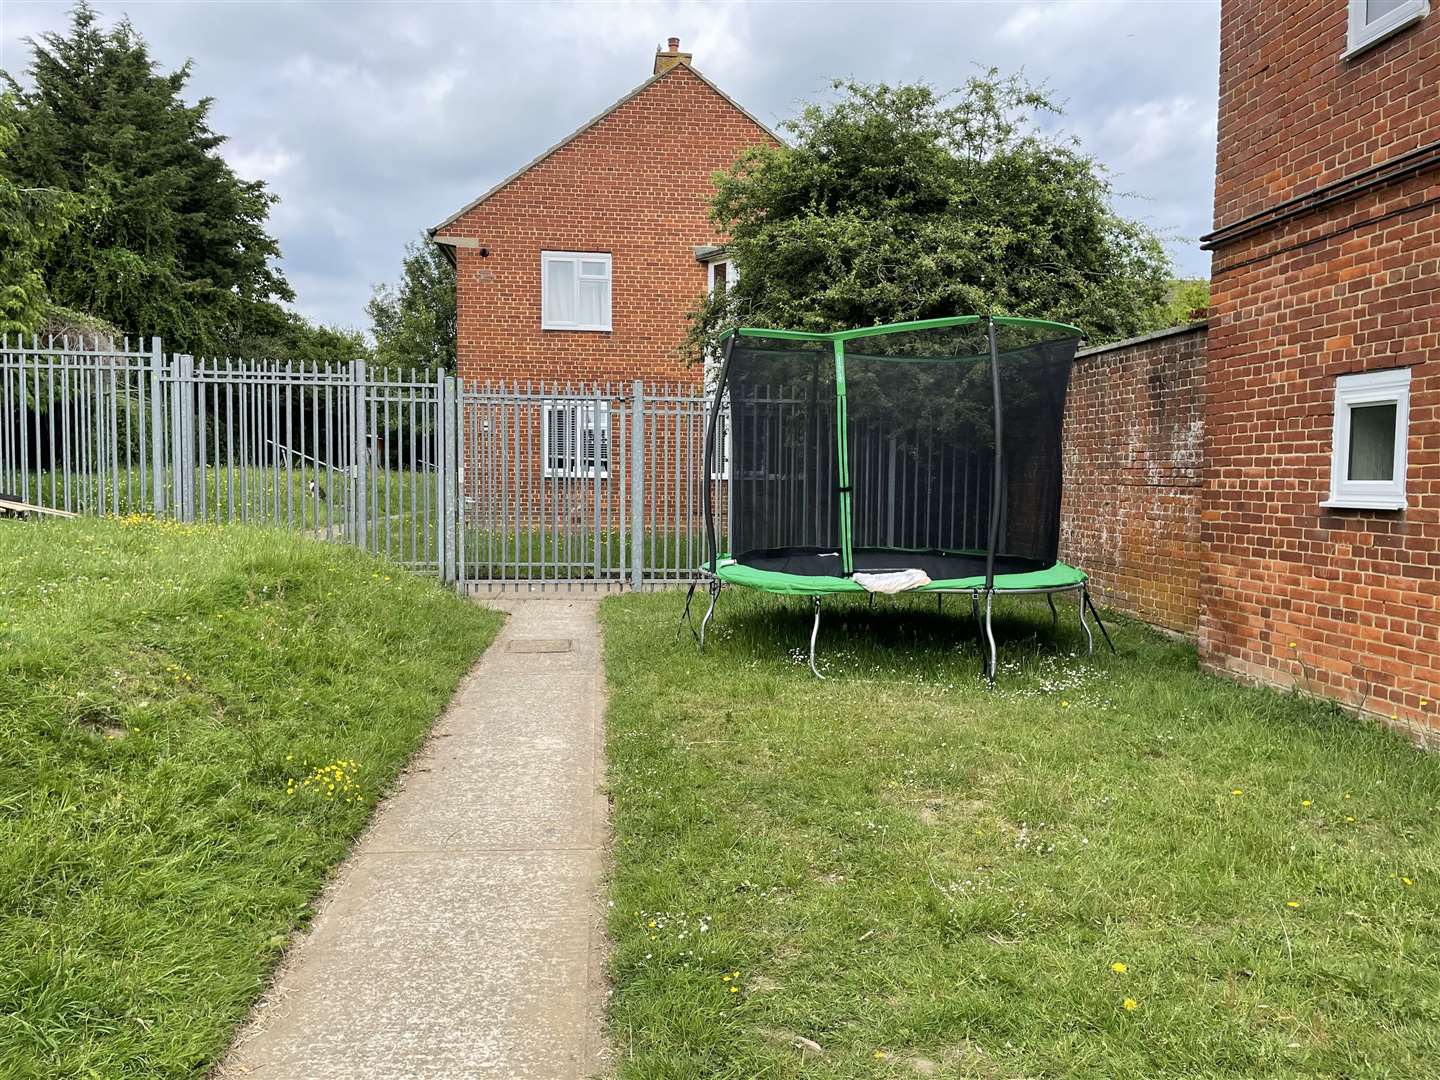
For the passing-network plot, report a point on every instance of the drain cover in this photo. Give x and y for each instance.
(538, 645)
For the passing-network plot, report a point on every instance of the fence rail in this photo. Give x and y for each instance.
(509, 486)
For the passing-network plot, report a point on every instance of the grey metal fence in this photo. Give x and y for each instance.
(533, 486)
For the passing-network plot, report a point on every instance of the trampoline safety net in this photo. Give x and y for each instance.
(875, 449)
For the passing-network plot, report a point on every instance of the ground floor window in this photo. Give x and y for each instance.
(1367, 463)
(575, 438)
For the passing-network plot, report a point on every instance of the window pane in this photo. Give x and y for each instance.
(592, 302)
(1372, 442)
(594, 269)
(1378, 9)
(721, 270)
(559, 291)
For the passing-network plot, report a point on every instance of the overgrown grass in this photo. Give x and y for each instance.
(165, 693)
(1109, 868)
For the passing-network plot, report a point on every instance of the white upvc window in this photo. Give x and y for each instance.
(1367, 457)
(574, 290)
(722, 275)
(1372, 21)
(575, 438)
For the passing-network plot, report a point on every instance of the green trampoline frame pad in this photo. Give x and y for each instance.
(1059, 576)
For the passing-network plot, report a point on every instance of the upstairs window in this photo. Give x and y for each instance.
(1367, 457)
(574, 290)
(722, 277)
(1372, 21)
(575, 438)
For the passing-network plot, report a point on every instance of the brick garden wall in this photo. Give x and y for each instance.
(1316, 292)
(1133, 438)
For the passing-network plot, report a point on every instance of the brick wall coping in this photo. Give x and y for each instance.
(1169, 331)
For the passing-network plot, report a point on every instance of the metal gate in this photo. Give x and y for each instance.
(512, 486)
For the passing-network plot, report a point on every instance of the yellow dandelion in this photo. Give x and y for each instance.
(1406, 882)
(1236, 791)
(1349, 818)
(734, 989)
(1292, 903)
(1130, 1004)
(1304, 802)
(879, 1054)
(1118, 968)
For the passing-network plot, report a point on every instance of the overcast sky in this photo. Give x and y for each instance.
(373, 121)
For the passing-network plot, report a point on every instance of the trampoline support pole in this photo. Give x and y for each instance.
(685, 615)
(815, 633)
(1054, 615)
(990, 639)
(1089, 637)
(714, 596)
(1085, 591)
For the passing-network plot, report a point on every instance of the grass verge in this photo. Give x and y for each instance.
(194, 724)
(1111, 868)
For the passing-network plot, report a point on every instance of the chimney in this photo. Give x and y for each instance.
(665, 59)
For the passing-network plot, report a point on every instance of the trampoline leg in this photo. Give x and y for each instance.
(939, 603)
(872, 601)
(1089, 637)
(991, 663)
(714, 596)
(1054, 615)
(815, 633)
(685, 615)
(1098, 622)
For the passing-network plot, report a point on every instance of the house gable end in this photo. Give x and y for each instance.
(596, 129)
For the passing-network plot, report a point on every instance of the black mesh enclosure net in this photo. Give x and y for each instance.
(784, 450)
(876, 449)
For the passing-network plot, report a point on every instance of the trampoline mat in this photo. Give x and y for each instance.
(938, 565)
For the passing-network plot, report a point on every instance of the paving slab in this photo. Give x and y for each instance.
(462, 938)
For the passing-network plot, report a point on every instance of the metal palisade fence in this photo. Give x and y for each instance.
(512, 486)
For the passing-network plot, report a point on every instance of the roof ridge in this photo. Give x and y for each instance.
(592, 122)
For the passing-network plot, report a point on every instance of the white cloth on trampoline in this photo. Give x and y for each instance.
(893, 581)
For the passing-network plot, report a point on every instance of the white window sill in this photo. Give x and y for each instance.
(581, 329)
(1379, 36)
(1350, 502)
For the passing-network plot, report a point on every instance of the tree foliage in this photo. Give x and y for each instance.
(30, 218)
(166, 239)
(1186, 301)
(413, 322)
(898, 203)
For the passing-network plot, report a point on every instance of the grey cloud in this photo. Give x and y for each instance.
(374, 121)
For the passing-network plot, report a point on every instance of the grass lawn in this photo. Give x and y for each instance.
(176, 703)
(1110, 868)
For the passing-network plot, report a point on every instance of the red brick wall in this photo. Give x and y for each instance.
(1346, 603)
(636, 185)
(1133, 438)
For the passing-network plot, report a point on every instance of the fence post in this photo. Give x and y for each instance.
(637, 484)
(157, 427)
(360, 447)
(182, 437)
(443, 436)
(457, 485)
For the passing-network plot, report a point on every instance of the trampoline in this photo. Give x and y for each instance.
(915, 457)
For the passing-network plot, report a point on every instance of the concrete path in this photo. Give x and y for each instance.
(462, 938)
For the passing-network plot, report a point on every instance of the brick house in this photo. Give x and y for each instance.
(1320, 504)
(582, 265)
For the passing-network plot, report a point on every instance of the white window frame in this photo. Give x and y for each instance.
(577, 411)
(1365, 34)
(1370, 388)
(578, 258)
(721, 471)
